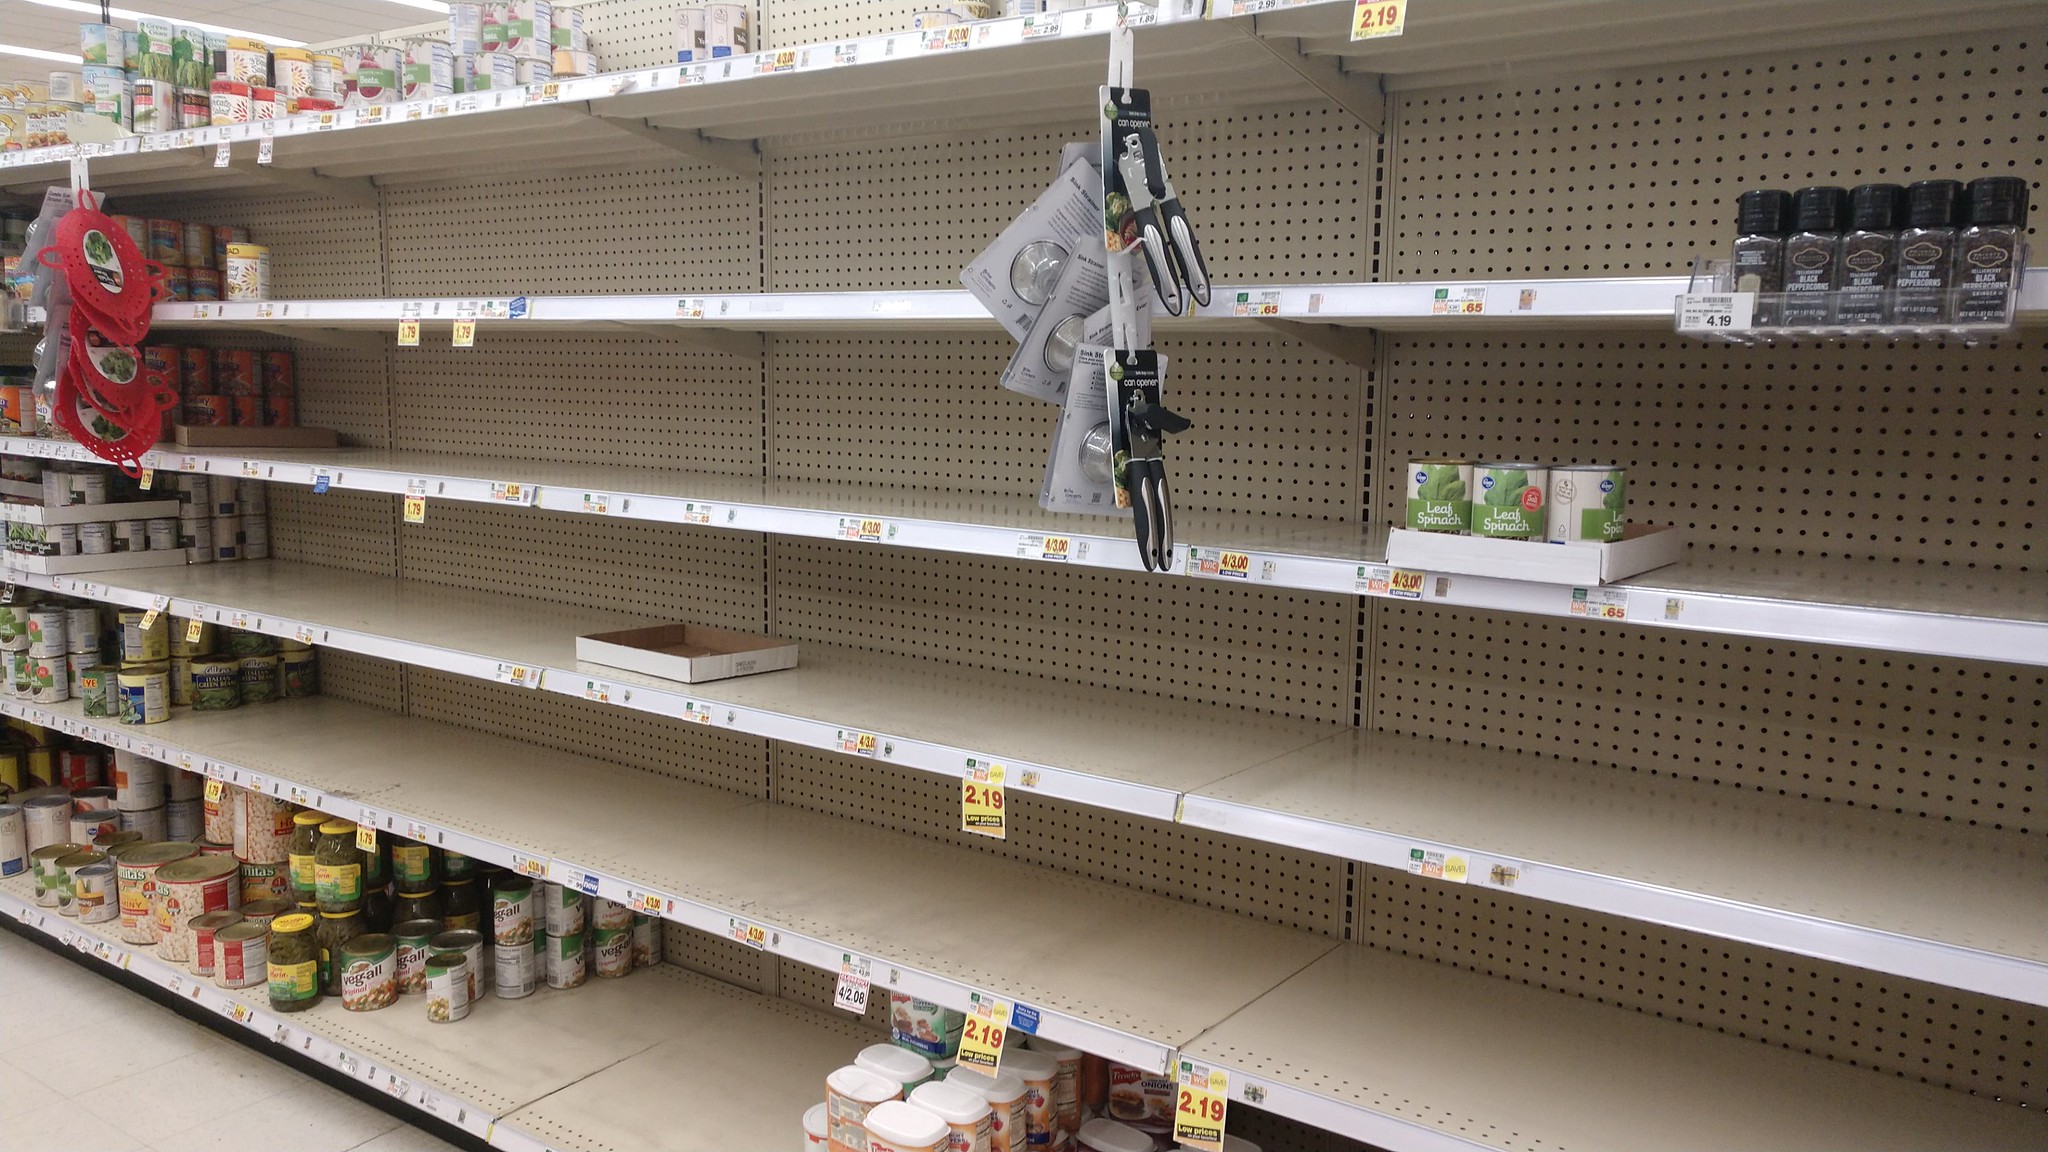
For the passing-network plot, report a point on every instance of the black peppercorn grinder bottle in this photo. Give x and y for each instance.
(1991, 251)
(1812, 270)
(1762, 218)
(1869, 252)
(1927, 252)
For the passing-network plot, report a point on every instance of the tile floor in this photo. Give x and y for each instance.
(61, 1091)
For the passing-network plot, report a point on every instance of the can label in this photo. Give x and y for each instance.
(262, 880)
(337, 883)
(646, 941)
(1439, 496)
(241, 963)
(564, 960)
(1510, 502)
(413, 865)
(512, 916)
(412, 965)
(448, 993)
(370, 982)
(293, 982)
(1587, 504)
(614, 952)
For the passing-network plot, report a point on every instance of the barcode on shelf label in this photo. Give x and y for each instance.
(1437, 865)
(1600, 603)
(414, 830)
(1262, 302)
(1038, 546)
(303, 633)
(750, 934)
(252, 469)
(855, 973)
(855, 743)
(513, 492)
(303, 799)
(867, 530)
(1466, 301)
(239, 620)
(1716, 312)
(524, 675)
(397, 1085)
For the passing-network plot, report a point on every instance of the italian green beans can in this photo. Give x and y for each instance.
(259, 679)
(216, 683)
(1440, 496)
(1508, 500)
(299, 673)
(1587, 503)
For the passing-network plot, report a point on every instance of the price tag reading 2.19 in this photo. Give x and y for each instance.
(981, 800)
(1201, 1095)
(981, 1037)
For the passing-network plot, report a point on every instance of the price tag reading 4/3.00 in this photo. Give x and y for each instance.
(981, 1038)
(981, 800)
(852, 992)
(1201, 1094)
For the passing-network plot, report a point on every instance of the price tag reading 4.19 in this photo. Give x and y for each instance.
(1201, 1094)
(1720, 312)
(981, 800)
(981, 1038)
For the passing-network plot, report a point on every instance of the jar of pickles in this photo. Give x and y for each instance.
(294, 964)
(305, 839)
(337, 869)
(416, 906)
(335, 930)
(462, 906)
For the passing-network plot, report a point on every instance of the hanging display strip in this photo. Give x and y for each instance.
(1984, 615)
(656, 1019)
(801, 885)
(1739, 867)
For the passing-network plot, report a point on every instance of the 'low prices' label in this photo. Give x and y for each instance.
(981, 800)
(1201, 1095)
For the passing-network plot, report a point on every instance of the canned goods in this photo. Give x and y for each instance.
(93, 825)
(135, 874)
(196, 534)
(646, 941)
(204, 929)
(563, 959)
(219, 816)
(264, 881)
(412, 865)
(1439, 496)
(262, 829)
(566, 29)
(145, 696)
(259, 678)
(238, 643)
(47, 820)
(232, 103)
(48, 631)
(512, 904)
(102, 44)
(183, 819)
(216, 683)
(206, 410)
(531, 71)
(1588, 502)
(245, 411)
(372, 73)
(291, 967)
(255, 535)
(195, 107)
(49, 877)
(182, 641)
(247, 61)
(227, 537)
(572, 62)
(515, 970)
(246, 275)
(99, 691)
(369, 973)
(94, 798)
(493, 71)
(428, 69)
(265, 909)
(292, 71)
(131, 536)
(68, 868)
(610, 914)
(66, 87)
(185, 890)
(241, 954)
(1508, 500)
(144, 645)
(138, 781)
(197, 241)
(448, 982)
(94, 894)
(153, 106)
(469, 944)
(166, 243)
(146, 824)
(613, 955)
(13, 841)
(412, 939)
(95, 540)
(562, 910)
(50, 679)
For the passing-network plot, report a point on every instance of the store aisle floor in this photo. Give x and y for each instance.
(88, 1066)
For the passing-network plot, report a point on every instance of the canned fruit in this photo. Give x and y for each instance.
(1510, 500)
(1440, 496)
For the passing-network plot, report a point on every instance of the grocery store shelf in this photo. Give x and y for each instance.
(1981, 615)
(1125, 751)
(1412, 1055)
(817, 885)
(1911, 897)
(1722, 863)
(501, 1074)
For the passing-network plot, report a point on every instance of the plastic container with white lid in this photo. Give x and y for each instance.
(892, 1063)
(1005, 1094)
(1106, 1135)
(894, 1126)
(965, 1112)
(1040, 1074)
(1230, 1144)
(815, 1137)
(1067, 1092)
(850, 1094)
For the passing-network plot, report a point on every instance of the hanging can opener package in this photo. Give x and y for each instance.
(1015, 275)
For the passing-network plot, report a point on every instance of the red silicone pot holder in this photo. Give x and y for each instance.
(108, 276)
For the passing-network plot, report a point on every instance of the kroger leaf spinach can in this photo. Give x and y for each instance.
(1587, 503)
(1440, 496)
(1507, 500)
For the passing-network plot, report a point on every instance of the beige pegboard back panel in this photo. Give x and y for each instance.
(730, 761)
(1278, 429)
(1281, 652)
(1266, 882)
(363, 679)
(1895, 1027)
(790, 22)
(347, 389)
(1926, 455)
(629, 400)
(815, 987)
(354, 531)
(662, 570)
(718, 958)
(1635, 173)
(1922, 737)
(630, 33)
(679, 227)
(1280, 195)
(320, 248)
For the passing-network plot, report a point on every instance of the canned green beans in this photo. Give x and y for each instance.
(259, 676)
(216, 683)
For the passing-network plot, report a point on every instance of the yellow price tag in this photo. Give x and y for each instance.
(408, 333)
(148, 479)
(1371, 19)
(981, 1037)
(981, 800)
(1201, 1095)
(193, 630)
(149, 619)
(465, 334)
(415, 509)
(366, 838)
(214, 791)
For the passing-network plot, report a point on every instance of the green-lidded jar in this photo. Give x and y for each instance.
(294, 963)
(456, 866)
(415, 906)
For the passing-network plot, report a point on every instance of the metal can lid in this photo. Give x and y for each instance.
(512, 883)
(1524, 465)
(245, 930)
(1585, 468)
(371, 946)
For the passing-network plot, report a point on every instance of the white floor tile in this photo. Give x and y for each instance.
(62, 1124)
(158, 1102)
(315, 1118)
(22, 1091)
(405, 1138)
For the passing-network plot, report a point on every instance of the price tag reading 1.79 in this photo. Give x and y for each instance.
(981, 1037)
(981, 800)
(1201, 1095)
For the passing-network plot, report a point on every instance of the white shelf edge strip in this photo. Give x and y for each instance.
(894, 48)
(1642, 601)
(724, 922)
(1945, 965)
(255, 1014)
